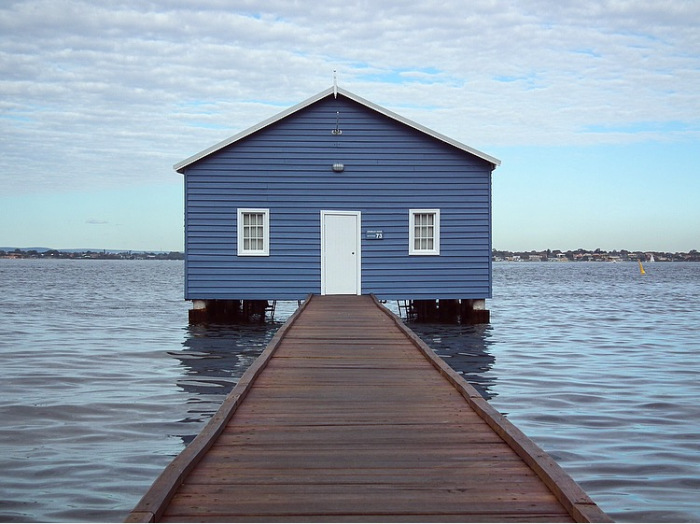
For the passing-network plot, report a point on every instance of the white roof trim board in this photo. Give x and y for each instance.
(180, 166)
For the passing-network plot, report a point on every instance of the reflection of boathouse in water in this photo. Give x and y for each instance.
(334, 196)
(213, 359)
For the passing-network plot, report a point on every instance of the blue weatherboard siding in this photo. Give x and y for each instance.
(389, 169)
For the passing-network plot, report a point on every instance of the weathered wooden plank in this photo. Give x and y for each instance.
(217, 473)
(356, 499)
(360, 376)
(375, 363)
(329, 392)
(352, 414)
(362, 399)
(313, 421)
(460, 517)
(347, 349)
(491, 454)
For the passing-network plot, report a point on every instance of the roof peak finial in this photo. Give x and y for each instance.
(335, 84)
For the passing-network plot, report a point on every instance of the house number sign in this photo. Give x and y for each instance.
(374, 234)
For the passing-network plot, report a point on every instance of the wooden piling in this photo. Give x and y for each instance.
(228, 311)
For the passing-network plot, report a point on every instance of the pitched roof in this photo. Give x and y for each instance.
(180, 166)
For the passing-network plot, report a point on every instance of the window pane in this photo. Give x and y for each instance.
(424, 231)
(253, 231)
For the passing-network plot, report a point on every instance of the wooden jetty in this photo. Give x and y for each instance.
(348, 416)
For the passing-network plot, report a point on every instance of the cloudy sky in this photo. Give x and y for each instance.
(593, 107)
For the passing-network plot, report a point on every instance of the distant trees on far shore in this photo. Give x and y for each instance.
(91, 255)
(597, 255)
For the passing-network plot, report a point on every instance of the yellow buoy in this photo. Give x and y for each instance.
(641, 268)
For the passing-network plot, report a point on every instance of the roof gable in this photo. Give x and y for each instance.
(335, 91)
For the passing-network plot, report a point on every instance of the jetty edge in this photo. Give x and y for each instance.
(497, 505)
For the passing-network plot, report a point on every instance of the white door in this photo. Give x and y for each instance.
(340, 253)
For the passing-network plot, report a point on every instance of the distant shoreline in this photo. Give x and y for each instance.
(580, 255)
(55, 254)
(597, 255)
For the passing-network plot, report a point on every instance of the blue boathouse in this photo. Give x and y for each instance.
(338, 195)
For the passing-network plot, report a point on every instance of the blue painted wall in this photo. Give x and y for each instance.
(389, 169)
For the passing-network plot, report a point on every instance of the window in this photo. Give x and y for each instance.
(424, 232)
(253, 232)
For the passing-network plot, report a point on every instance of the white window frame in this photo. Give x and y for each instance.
(412, 213)
(265, 251)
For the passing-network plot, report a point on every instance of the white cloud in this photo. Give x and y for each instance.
(95, 94)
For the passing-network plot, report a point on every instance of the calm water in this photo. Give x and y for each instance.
(103, 382)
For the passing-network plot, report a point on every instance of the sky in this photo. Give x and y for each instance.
(592, 107)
